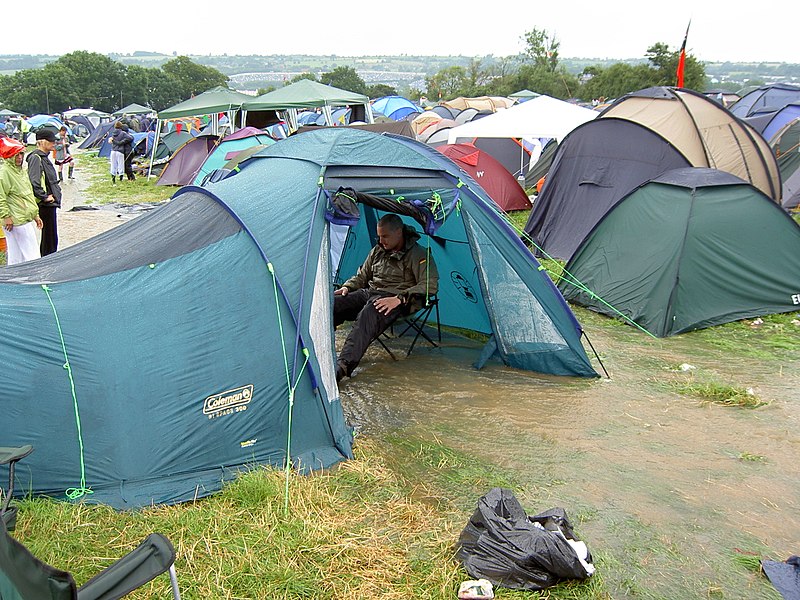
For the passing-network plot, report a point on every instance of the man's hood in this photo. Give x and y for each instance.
(410, 236)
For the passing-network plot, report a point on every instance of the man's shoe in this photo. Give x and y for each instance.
(341, 373)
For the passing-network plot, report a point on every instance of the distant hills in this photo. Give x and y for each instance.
(403, 72)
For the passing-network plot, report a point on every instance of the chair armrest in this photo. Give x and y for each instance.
(154, 556)
(13, 454)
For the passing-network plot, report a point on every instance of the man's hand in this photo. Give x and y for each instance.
(8, 223)
(387, 305)
(39, 223)
(342, 291)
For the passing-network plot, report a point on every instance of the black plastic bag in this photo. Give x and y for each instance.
(502, 544)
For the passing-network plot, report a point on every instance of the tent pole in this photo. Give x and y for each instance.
(153, 149)
(583, 333)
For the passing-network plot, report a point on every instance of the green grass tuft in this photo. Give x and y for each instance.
(717, 393)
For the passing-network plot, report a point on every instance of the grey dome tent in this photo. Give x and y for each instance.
(766, 97)
(198, 337)
(597, 164)
(693, 248)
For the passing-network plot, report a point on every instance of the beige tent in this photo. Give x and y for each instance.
(704, 132)
(492, 103)
(424, 120)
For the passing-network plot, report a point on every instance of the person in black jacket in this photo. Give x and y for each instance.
(121, 146)
(44, 181)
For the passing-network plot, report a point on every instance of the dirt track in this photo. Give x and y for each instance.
(77, 225)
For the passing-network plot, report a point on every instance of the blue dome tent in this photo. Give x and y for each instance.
(155, 361)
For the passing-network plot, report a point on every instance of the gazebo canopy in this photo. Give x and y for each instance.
(304, 94)
(216, 100)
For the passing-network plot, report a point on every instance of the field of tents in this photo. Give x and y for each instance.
(195, 342)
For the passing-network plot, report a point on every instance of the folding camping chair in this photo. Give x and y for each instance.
(25, 577)
(416, 323)
(10, 456)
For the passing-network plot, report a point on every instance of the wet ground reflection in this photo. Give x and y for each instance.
(642, 465)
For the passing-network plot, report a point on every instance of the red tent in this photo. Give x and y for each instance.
(490, 174)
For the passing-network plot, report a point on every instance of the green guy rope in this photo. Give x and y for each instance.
(292, 387)
(72, 493)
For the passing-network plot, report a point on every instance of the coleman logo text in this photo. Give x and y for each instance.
(226, 403)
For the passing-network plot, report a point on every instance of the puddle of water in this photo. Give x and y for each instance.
(669, 488)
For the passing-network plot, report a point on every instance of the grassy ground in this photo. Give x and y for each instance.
(102, 191)
(381, 526)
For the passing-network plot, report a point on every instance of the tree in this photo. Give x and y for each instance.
(345, 78)
(617, 80)
(622, 78)
(25, 91)
(95, 80)
(665, 63)
(296, 78)
(558, 84)
(381, 89)
(448, 83)
(192, 78)
(162, 90)
(541, 49)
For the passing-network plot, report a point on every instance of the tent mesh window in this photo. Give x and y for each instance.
(516, 310)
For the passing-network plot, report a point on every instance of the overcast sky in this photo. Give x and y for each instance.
(590, 29)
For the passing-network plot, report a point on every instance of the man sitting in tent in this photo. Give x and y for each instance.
(395, 280)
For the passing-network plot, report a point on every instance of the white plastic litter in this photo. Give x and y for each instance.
(476, 589)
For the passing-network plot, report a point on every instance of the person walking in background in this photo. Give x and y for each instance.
(44, 181)
(61, 155)
(24, 129)
(19, 211)
(120, 140)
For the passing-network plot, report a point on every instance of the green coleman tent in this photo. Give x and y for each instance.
(308, 94)
(152, 362)
(692, 248)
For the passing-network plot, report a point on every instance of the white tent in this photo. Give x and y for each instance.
(541, 117)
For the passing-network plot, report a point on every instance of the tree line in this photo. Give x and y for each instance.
(85, 79)
(538, 69)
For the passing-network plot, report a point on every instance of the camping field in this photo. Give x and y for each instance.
(678, 470)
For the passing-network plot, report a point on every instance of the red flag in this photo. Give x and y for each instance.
(682, 57)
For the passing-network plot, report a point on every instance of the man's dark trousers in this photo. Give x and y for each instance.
(49, 243)
(359, 306)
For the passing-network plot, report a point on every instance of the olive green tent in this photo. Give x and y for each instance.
(692, 248)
